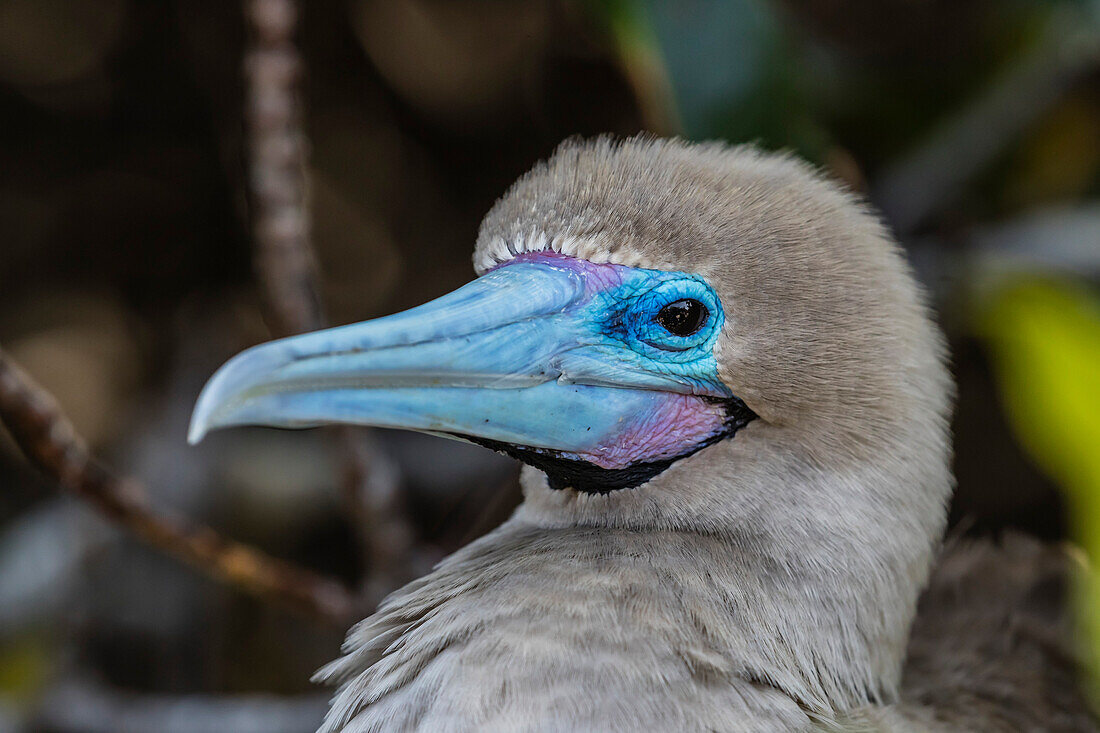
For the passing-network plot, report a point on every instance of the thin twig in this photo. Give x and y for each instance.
(640, 59)
(277, 158)
(287, 265)
(49, 441)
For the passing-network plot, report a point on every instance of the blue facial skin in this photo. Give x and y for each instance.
(546, 352)
(624, 323)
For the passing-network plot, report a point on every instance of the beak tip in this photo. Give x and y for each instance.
(198, 428)
(205, 416)
(228, 383)
(195, 434)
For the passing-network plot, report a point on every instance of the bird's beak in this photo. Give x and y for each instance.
(505, 358)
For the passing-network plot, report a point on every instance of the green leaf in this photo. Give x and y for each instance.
(1044, 336)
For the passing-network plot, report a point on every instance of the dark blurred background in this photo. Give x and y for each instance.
(126, 277)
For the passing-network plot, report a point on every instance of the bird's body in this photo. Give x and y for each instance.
(735, 409)
(625, 635)
(994, 647)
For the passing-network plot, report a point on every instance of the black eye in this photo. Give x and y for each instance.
(683, 317)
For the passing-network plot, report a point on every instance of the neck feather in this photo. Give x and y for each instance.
(812, 573)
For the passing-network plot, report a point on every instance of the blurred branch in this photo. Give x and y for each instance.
(287, 265)
(277, 156)
(923, 182)
(639, 57)
(90, 707)
(1053, 239)
(49, 441)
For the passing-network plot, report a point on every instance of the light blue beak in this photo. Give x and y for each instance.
(511, 357)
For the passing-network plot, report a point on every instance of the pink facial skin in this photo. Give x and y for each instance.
(597, 277)
(678, 424)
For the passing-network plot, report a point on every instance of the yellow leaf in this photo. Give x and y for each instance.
(1044, 336)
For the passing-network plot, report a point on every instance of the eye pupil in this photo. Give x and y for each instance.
(683, 317)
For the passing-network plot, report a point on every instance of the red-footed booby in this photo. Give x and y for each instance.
(734, 409)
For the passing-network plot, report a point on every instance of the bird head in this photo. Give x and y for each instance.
(671, 335)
